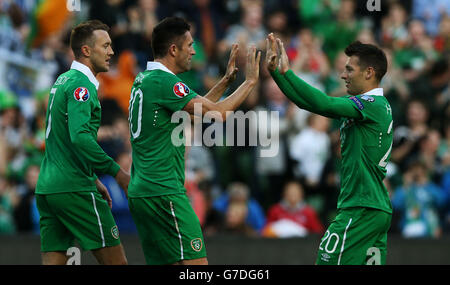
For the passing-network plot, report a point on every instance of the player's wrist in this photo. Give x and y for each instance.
(250, 81)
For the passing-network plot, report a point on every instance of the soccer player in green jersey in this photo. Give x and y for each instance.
(72, 202)
(168, 228)
(358, 235)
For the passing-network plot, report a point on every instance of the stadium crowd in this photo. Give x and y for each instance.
(233, 189)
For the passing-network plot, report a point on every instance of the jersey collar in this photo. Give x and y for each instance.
(86, 71)
(152, 65)
(374, 92)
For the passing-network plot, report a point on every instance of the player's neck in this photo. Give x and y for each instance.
(370, 87)
(86, 62)
(169, 64)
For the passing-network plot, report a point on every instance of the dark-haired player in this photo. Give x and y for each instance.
(168, 227)
(72, 202)
(358, 235)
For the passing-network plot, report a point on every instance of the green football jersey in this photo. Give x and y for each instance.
(158, 163)
(365, 149)
(72, 154)
(366, 138)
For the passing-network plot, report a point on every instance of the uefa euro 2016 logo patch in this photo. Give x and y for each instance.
(81, 94)
(180, 89)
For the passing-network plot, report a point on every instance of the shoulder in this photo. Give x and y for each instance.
(77, 86)
(157, 77)
(76, 79)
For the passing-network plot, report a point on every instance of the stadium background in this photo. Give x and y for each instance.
(234, 191)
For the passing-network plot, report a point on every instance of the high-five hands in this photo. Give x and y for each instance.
(276, 55)
(230, 74)
(272, 58)
(252, 66)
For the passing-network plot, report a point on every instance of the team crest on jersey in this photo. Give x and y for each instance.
(197, 244)
(115, 232)
(81, 94)
(180, 89)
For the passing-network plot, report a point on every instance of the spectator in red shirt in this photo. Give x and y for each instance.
(292, 216)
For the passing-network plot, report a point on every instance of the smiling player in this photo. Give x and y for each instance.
(168, 227)
(358, 235)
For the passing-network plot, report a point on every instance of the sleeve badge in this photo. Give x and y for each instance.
(81, 94)
(180, 89)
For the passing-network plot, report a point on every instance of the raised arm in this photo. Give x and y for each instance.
(230, 75)
(222, 109)
(301, 93)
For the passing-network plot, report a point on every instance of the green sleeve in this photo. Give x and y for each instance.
(287, 89)
(315, 101)
(79, 116)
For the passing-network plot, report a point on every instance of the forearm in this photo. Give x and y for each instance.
(291, 93)
(217, 91)
(94, 154)
(319, 102)
(233, 101)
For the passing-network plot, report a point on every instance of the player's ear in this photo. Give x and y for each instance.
(173, 50)
(369, 73)
(86, 50)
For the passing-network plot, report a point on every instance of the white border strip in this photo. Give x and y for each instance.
(178, 230)
(98, 219)
(343, 241)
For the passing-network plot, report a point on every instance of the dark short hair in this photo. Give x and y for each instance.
(82, 35)
(369, 56)
(167, 32)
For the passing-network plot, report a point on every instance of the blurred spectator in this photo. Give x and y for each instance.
(311, 149)
(442, 39)
(197, 200)
(417, 53)
(198, 158)
(238, 194)
(113, 14)
(309, 61)
(317, 14)
(26, 214)
(214, 219)
(418, 201)
(249, 31)
(334, 85)
(366, 36)
(208, 22)
(274, 170)
(406, 136)
(114, 137)
(394, 29)
(292, 216)
(428, 154)
(430, 12)
(395, 89)
(342, 31)
(116, 84)
(236, 217)
(7, 225)
(277, 23)
(142, 17)
(444, 154)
